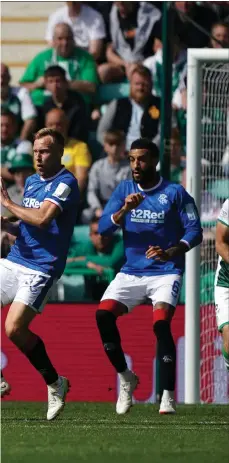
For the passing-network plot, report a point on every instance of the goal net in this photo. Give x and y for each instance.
(214, 191)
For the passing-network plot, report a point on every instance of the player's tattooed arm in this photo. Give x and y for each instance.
(155, 252)
(131, 202)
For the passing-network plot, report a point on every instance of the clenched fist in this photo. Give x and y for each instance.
(132, 201)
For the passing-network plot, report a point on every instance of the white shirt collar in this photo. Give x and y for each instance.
(54, 176)
(153, 188)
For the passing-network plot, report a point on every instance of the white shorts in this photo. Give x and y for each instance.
(22, 284)
(222, 306)
(132, 290)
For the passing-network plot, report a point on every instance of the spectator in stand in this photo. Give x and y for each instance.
(21, 168)
(106, 174)
(220, 31)
(137, 115)
(177, 158)
(18, 101)
(80, 67)
(87, 25)
(209, 122)
(154, 64)
(69, 101)
(103, 255)
(188, 33)
(134, 26)
(10, 144)
(77, 157)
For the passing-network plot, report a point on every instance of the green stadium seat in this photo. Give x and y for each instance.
(74, 288)
(109, 92)
(80, 234)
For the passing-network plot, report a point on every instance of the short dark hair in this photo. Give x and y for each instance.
(56, 136)
(142, 71)
(114, 136)
(6, 112)
(55, 70)
(145, 144)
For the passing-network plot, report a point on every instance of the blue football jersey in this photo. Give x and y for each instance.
(166, 216)
(45, 249)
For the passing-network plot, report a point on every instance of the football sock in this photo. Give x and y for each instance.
(166, 352)
(38, 357)
(106, 322)
(226, 358)
(125, 375)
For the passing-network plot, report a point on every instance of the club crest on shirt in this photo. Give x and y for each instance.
(163, 199)
(48, 187)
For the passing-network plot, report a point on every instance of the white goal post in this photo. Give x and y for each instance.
(196, 59)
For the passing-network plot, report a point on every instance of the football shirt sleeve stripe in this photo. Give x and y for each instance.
(54, 202)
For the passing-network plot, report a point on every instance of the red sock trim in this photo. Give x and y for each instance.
(161, 314)
(117, 308)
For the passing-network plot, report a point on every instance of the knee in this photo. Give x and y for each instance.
(12, 330)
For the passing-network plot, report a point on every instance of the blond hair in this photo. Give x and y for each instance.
(56, 136)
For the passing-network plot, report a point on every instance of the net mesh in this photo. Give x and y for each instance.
(214, 191)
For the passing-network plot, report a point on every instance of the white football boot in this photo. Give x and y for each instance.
(5, 387)
(128, 384)
(56, 397)
(168, 404)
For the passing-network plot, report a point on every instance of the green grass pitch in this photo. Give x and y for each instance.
(93, 433)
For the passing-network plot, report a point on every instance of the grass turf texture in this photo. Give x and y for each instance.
(89, 432)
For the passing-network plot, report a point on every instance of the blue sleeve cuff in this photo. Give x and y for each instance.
(107, 225)
(186, 242)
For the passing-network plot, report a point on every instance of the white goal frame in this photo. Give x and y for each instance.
(196, 57)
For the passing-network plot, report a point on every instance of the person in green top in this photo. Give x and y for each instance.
(98, 259)
(79, 66)
(9, 143)
(18, 101)
(222, 279)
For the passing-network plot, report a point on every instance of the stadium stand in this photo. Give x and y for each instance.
(24, 33)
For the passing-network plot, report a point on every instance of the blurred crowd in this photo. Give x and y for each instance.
(99, 82)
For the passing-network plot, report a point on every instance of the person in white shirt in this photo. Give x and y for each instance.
(87, 25)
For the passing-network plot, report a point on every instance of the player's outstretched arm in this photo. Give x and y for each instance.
(222, 241)
(37, 217)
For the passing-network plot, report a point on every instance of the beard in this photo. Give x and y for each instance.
(144, 176)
